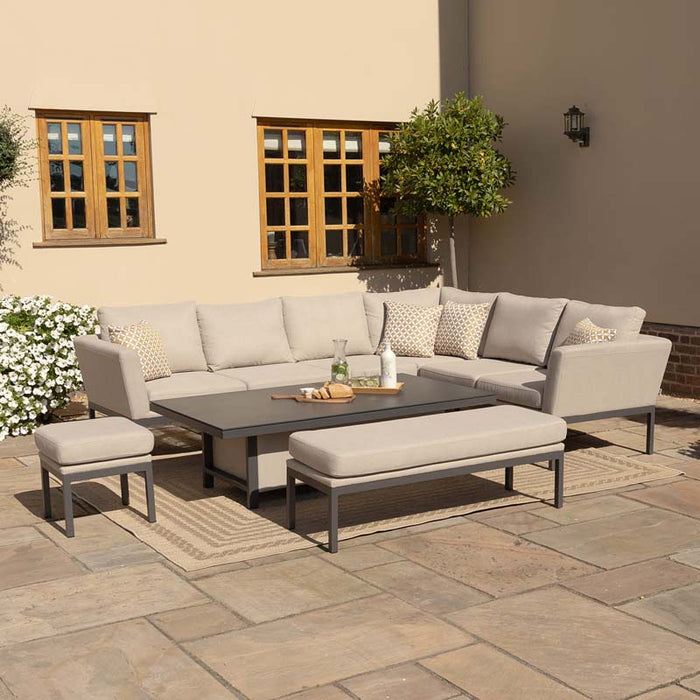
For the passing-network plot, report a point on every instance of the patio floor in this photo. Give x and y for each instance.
(598, 600)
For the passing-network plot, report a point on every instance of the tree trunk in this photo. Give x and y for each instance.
(453, 255)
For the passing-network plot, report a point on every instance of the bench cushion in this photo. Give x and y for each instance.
(96, 440)
(387, 446)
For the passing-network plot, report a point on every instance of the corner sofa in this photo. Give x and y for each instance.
(287, 341)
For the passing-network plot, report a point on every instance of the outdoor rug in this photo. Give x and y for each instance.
(199, 528)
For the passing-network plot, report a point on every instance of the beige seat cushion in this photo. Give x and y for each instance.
(297, 374)
(523, 388)
(626, 320)
(243, 335)
(176, 323)
(192, 384)
(96, 440)
(521, 328)
(467, 372)
(386, 446)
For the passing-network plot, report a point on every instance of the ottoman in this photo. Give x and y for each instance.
(90, 449)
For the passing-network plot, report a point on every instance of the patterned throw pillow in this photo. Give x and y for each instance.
(585, 331)
(148, 344)
(460, 330)
(410, 329)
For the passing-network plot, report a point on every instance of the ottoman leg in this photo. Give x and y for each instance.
(150, 499)
(46, 491)
(509, 478)
(332, 522)
(559, 482)
(125, 489)
(291, 502)
(68, 508)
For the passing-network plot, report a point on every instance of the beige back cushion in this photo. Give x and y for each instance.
(374, 306)
(176, 323)
(312, 323)
(243, 335)
(626, 320)
(522, 327)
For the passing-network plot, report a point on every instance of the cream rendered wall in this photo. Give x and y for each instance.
(617, 222)
(205, 68)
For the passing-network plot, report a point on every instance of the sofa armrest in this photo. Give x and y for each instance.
(113, 377)
(600, 377)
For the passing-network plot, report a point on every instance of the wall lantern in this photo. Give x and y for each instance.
(574, 128)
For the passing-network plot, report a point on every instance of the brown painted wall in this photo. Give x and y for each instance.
(617, 222)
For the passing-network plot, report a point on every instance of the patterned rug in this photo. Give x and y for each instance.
(200, 528)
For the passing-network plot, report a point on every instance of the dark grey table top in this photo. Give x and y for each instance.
(247, 413)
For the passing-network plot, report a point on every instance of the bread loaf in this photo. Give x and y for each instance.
(339, 391)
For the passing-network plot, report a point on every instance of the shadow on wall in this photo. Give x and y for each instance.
(398, 279)
(9, 236)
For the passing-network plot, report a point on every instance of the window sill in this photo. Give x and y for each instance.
(97, 242)
(288, 271)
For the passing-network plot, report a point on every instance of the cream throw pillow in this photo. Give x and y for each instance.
(148, 344)
(585, 332)
(410, 329)
(460, 330)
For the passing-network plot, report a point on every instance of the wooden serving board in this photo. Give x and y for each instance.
(303, 399)
(378, 389)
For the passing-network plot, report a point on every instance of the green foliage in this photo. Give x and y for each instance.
(443, 161)
(15, 149)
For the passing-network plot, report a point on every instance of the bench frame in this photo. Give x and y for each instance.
(555, 459)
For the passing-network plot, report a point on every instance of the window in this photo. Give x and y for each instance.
(95, 177)
(318, 198)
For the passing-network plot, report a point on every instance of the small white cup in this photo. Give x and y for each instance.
(307, 392)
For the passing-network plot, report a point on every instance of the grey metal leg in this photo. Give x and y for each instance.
(252, 481)
(68, 508)
(559, 482)
(333, 522)
(91, 413)
(150, 499)
(509, 478)
(208, 461)
(46, 491)
(125, 489)
(291, 502)
(651, 420)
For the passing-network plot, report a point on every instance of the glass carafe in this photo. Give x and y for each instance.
(339, 368)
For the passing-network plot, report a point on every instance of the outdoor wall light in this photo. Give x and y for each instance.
(574, 128)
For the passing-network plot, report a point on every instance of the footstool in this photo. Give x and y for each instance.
(89, 449)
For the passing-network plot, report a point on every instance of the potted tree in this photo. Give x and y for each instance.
(443, 162)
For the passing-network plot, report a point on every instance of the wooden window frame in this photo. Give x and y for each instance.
(93, 157)
(370, 229)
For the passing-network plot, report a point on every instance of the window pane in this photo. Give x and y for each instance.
(109, 139)
(353, 145)
(409, 241)
(131, 179)
(78, 205)
(300, 244)
(331, 144)
(356, 245)
(356, 210)
(298, 211)
(296, 144)
(334, 244)
(55, 138)
(403, 219)
(353, 178)
(384, 144)
(331, 178)
(77, 179)
(276, 245)
(297, 178)
(128, 140)
(58, 213)
(56, 175)
(75, 140)
(388, 241)
(274, 177)
(114, 218)
(112, 175)
(334, 210)
(275, 212)
(385, 214)
(132, 212)
(273, 143)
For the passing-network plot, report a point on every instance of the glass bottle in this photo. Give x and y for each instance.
(339, 368)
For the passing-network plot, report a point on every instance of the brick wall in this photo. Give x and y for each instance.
(682, 376)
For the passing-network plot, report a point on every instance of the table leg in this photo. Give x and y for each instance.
(509, 478)
(207, 460)
(252, 480)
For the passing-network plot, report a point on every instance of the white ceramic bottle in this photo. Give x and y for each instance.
(388, 365)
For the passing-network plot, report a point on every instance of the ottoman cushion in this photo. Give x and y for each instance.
(413, 442)
(96, 440)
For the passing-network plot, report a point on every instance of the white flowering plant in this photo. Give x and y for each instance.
(38, 366)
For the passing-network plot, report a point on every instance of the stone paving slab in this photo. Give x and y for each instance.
(188, 624)
(690, 557)
(681, 497)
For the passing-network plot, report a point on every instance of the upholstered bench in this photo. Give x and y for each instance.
(338, 461)
(90, 449)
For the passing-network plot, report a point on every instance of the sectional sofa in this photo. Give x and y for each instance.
(287, 341)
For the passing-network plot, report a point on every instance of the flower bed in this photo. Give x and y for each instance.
(38, 366)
